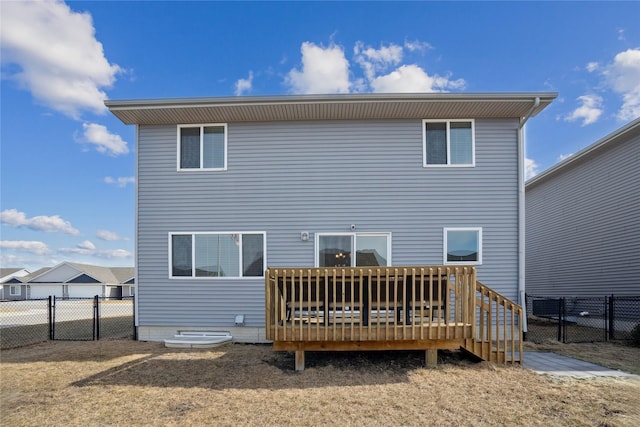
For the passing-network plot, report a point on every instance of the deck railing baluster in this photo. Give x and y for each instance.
(342, 306)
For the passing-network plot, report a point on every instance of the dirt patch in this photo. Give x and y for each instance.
(136, 383)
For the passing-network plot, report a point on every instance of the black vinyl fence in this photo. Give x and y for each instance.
(577, 319)
(72, 319)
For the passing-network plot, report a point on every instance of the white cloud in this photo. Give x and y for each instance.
(120, 181)
(561, 157)
(324, 70)
(621, 35)
(530, 168)
(87, 245)
(374, 61)
(109, 235)
(33, 247)
(87, 248)
(623, 76)
(592, 66)
(104, 142)
(589, 112)
(50, 224)
(412, 78)
(327, 70)
(59, 59)
(244, 85)
(417, 45)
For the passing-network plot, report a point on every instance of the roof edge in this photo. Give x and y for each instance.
(127, 104)
(576, 157)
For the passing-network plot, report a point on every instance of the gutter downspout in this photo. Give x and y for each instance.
(521, 213)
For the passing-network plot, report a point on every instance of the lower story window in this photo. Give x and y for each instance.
(14, 290)
(463, 246)
(217, 254)
(336, 250)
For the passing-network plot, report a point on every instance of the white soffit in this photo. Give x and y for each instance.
(328, 107)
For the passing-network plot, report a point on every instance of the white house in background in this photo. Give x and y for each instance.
(11, 287)
(72, 280)
(583, 221)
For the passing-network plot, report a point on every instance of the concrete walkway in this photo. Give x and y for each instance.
(555, 364)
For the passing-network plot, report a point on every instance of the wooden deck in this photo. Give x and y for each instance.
(390, 308)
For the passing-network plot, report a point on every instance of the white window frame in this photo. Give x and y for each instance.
(201, 127)
(193, 255)
(14, 294)
(354, 236)
(448, 123)
(446, 230)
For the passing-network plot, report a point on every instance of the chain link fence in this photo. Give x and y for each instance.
(577, 319)
(75, 319)
(23, 322)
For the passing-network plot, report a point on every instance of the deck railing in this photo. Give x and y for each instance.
(370, 303)
(386, 308)
(498, 335)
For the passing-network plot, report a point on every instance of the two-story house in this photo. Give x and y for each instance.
(227, 187)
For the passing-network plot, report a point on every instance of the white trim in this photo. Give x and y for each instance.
(193, 254)
(13, 294)
(445, 230)
(201, 126)
(136, 311)
(448, 123)
(522, 223)
(354, 235)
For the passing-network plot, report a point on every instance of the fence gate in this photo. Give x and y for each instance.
(89, 319)
(73, 319)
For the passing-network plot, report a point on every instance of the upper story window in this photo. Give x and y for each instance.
(336, 250)
(202, 147)
(207, 255)
(448, 143)
(463, 246)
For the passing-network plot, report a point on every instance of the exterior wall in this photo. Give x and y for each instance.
(60, 274)
(39, 290)
(583, 227)
(6, 292)
(288, 177)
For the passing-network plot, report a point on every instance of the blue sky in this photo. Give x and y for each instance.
(67, 165)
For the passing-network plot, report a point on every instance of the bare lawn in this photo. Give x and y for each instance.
(136, 383)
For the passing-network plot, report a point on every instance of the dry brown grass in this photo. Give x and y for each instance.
(137, 383)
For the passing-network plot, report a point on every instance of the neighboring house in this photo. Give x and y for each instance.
(229, 186)
(73, 280)
(583, 221)
(11, 287)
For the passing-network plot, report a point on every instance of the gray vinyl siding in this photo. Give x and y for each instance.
(318, 176)
(583, 227)
(6, 292)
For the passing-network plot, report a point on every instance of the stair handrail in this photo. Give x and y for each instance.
(511, 337)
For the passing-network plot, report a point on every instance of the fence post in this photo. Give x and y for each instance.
(563, 322)
(611, 318)
(96, 320)
(560, 319)
(50, 317)
(133, 304)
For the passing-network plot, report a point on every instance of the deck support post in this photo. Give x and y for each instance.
(431, 358)
(299, 360)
